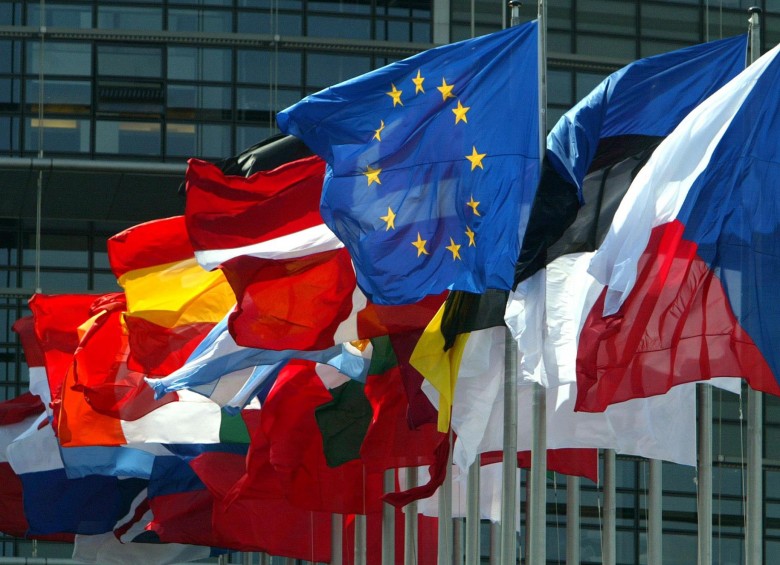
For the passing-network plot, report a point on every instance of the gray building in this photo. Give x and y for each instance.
(102, 102)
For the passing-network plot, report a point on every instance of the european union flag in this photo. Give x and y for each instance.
(432, 165)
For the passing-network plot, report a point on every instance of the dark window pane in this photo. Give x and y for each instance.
(125, 61)
(127, 17)
(265, 67)
(77, 16)
(60, 135)
(326, 70)
(247, 136)
(614, 16)
(10, 13)
(190, 96)
(200, 20)
(199, 140)
(669, 22)
(61, 58)
(69, 93)
(127, 138)
(10, 56)
(193, 63)
(9, 134)
(340, 27)
(342, 7)
(283, 24)
(9, 93)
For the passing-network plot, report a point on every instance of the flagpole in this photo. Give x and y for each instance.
(508, 537)
(655, 514)
(410, 521)
(388, 521)
(754, 542)
(472, 514)
(704, 474)
(537, 500)
(336, 536)
(572, 520)
(360, 539)
(608, 550)
(444, 555)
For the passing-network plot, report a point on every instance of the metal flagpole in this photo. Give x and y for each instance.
(410, 522)
(360, 539)
(572, 520)
(444, 555)
(508, 551)
(608, 549)
(495, 543)
(388, 521)
(537, 500)
(704, 474)
(457, 541)
(336, 535)
(754, 542)
(265, 559)
(655, 514)
(472, 515)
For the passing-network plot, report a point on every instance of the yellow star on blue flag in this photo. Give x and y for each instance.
(433, 159)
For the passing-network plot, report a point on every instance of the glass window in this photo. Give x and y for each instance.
(127, 138)
(191, 96)
(10, 56)
(421, 32)
(193, 63)
(326, 70)
(198, 140)
(128, 17)
(587, 82)
(9, 133)
(126, 61)
(105, 282)
(247, 136)
(614, 47)
(342, 28)
(203, 2)
(354, 7)
(559, 42)
(9, 93)
(200, 20)
(614, 16)
(282, 4)
(670, 22)
(77, 16)
(59, 250)
(61, 58)
(61, 135)
(70, 93)
(10, 13)
(559, 87)
(283, 24)
(57, 282)
(266, 67)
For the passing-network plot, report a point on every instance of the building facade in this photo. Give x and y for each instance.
(102, 102)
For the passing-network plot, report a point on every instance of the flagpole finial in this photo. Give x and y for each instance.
(514, 6)
(751, 10)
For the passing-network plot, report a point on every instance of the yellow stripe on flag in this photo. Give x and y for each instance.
(439, 367)
(178, 293)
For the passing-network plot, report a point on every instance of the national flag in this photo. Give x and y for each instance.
(36, 363)
(53, 503)
(56, 319)
(172, 302)
(690, 261)
(432, 165)
(16, 416)
(593, 152)
(232, 375)
(293, 280)
(460, 342)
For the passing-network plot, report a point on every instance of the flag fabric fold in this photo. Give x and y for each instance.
(690, 260)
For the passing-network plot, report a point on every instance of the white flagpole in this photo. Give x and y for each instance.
(654, 514)
(472, 515)
(388, 521)
(336, 533)
(754, 542)
(608, 549)
(444, 555)
(572, 520)
(410, 521)
(537, 499)
(704, 474)
(360, 539)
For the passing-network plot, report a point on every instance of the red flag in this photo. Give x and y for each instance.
(294, 283)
